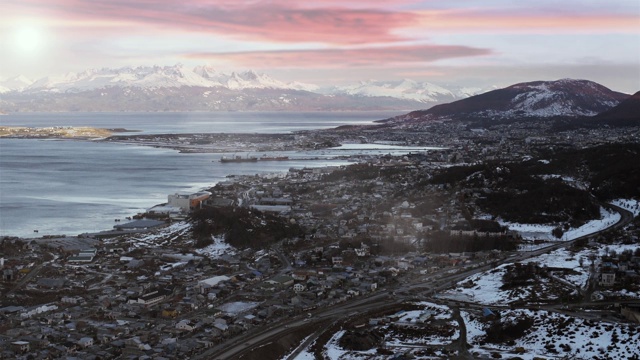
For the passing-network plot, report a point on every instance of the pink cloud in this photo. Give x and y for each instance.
(277, 21)
(520, 21)
(337, 58)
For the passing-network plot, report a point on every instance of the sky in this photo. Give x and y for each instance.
(332, 42)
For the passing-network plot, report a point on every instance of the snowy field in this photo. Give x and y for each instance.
(178, 234)
(618, 248)
(217, 249)
(629, 205)
(543, 232)
(557, 336)
(486, 286)
(563, 258)
(412, 330)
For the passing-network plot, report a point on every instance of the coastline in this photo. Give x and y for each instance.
(180, 179)
(232, 171)
(55, 132)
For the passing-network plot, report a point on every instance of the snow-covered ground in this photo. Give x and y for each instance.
(237, 307)
(333, 350)
(160, 236)
(487, 285)
(304, 355)
(563, 258)
(558, 336)
(628, 204)
(485, 289)
(411, 330)
(543, 232)
(217, 249)
(567, 179)
(618, 248)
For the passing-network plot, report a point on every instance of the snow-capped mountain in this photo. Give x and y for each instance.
(16, 83)
(463, 92)
(153, 88)
(538, 99)
(154, 77)
(403, 89)
(565, 97)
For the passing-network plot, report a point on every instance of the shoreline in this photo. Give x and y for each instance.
(276, 143)
(95, 234)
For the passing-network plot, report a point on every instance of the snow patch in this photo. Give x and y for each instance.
(217, 249)
(543, 232)
(630, 205)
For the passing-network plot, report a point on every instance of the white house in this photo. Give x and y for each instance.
(85, 342)
(206, 284)
(607, 279)
(185, 325)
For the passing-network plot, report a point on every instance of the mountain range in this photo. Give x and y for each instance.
(177, 88)
(204, 88)
(559, 99)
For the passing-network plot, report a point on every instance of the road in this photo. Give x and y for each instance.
(25, 279)
(435, 282)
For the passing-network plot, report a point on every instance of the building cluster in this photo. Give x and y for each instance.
(158, 302)
(141, 291)
(619, 270)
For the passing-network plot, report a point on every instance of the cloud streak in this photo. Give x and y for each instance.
(338, 38)
(336, 58)
(324, 22)
(519, 22)
(275, 21)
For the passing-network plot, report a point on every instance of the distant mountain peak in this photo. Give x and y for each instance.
(536, 99)
(179, 81)
(206, 71)
(403, 89)
(16, 83)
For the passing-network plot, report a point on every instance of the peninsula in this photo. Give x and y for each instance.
(54, 132)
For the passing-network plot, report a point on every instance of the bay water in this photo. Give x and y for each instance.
(75, 186)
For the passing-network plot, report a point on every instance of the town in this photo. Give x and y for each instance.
(390, 256)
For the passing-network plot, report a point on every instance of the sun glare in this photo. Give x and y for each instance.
(28, 38)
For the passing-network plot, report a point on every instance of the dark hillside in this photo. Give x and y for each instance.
(625, 114)
(557, 188)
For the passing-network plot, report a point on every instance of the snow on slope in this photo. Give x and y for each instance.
(543, 232)
(486, 288)
(16, 83)
(556, 335)
(153, 77)
(550, 98)
(404, 89)
(631, 205)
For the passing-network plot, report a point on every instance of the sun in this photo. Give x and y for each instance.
(28, 38)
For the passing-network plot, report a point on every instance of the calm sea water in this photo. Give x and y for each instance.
(199, 122)
(70, 187)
